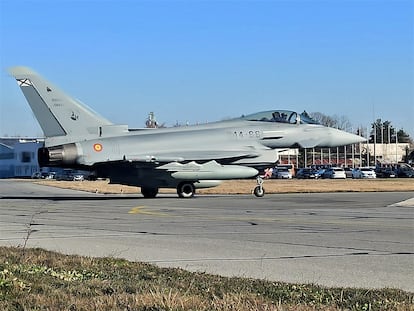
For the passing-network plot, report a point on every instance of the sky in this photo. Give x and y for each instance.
(201, 61)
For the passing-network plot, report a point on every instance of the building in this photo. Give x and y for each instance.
(388, 153)
(18, 156)
(347, 156)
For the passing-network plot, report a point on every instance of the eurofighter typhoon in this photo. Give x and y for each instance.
(184, 158)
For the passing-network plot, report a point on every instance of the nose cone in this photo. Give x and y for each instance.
(335, 138)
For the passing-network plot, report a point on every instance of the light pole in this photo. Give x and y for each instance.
(396, 147)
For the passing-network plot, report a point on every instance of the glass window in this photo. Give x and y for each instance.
(280, 116)
(26, 156)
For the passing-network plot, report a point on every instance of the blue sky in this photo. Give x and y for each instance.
(198, 61)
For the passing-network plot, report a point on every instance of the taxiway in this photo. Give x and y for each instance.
(333, 239)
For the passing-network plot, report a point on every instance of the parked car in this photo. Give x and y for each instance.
(78, 177)
(36, 175)
(91, 176)
(348, 172)
(385, 172)
(64, 176)
(40, 175)
(282, 173)
(334, 172)
(319, 173)
(363, 172)
(307, 173)
(405, 171)
(51, 175)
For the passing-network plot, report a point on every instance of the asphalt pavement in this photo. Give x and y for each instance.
(333, 239)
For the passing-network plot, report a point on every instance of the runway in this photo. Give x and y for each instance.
(333, 239)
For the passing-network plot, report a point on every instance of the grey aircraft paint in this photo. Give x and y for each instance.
(183, 157)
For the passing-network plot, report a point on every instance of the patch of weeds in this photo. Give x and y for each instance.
(56, 282)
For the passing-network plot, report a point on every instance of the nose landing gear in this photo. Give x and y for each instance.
(259, 190)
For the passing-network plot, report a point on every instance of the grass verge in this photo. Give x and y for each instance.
(36, 279)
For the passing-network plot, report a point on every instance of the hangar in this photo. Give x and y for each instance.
(18, 156)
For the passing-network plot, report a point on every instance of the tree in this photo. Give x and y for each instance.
(322, 119)
(384, 132)
(339, 122)
(403, 137)
(342, 122)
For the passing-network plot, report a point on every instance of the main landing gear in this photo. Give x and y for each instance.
(259, 190)
(149, 192)
(186, 190)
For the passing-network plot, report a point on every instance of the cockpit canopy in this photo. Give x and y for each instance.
(280, 116)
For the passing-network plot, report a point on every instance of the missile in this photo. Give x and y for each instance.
(208, 171)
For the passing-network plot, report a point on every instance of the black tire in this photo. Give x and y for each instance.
(186, 190)
(259, 191)
(149, 192)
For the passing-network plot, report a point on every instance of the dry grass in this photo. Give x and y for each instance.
(246, 186)
(35, 279)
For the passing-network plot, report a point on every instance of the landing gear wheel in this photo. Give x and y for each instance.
(186, 190)
(149, 192)
(259, 190)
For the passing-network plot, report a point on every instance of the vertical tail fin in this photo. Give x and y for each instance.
(57, 113)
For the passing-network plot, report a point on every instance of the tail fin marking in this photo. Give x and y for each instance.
(57, 113)
(47, 120)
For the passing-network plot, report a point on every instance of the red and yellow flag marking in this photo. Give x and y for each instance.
(97, 147)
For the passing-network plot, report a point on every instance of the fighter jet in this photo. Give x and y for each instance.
(184, 158)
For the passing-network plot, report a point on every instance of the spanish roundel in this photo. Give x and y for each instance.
(97, 147)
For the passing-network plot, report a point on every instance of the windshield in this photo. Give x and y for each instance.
(280, 116)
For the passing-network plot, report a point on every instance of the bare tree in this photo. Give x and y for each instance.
(339, 122)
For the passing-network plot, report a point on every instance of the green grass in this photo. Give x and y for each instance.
(35, 279)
